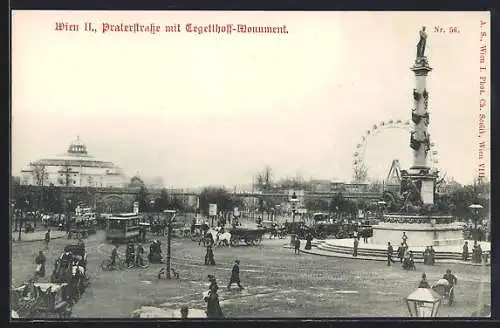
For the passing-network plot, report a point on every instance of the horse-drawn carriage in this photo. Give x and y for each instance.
(445, 290)
(198, 231)
(71, 268)
(82, 229)
(34, 300)
(249, 236)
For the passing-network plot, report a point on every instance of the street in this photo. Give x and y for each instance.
(277, 282)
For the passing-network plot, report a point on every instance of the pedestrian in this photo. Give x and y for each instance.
(47, 239)
(139, 261)
(213, 306)
(432, 256)
(401, 253)
(209, 256)
(465, 252)
(365, 236)
(390, 250)
(184, 312)
(40, 265)
(130, 254)
(355, 249)
(424, 283)
(235, 275)
(213, 282)
(427, 255)
(405, 238)
(297, 246)
(308, 242)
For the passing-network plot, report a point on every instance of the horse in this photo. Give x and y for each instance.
(61, 272)
(224, 239)
(77, 279)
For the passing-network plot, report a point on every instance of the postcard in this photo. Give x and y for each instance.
(231, 165)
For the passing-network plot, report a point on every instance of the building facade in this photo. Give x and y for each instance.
(75, 168)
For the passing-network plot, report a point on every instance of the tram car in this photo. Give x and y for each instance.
(123, 227)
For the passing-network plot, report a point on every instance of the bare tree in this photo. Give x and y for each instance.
(264, 179)
(40, 173)
(41, 176)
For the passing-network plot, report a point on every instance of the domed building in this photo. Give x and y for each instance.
(75, 168)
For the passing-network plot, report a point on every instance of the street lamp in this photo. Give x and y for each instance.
(170, 220)
(68, 218)
(13, 208)
(423, 303)
(21, 219)
(294, 201)
(152, 205)
(475, 208)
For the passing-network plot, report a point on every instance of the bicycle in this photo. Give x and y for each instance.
(107, 266)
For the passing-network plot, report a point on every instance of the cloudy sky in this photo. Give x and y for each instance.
(215, 109)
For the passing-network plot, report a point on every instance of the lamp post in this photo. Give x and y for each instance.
(13, 208)
(68, 218)
(170, 220)
(21, 219)
(151, 206)
(423, 303)
(293, 202)
(475, 209)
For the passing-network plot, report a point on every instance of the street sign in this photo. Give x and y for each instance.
(212, 209)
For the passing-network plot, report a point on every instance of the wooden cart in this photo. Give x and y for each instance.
(45, 300)
(246, 235)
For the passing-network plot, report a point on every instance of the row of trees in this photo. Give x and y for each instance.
(453, 198)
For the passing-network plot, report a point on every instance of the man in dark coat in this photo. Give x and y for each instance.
(424, 283)
(427, 255)
(401, 253)
(235, 275)
(114, 255)
(308, 242)
(297, 245)
(355, 248)
(130, 254)
(390, 250)
(40, 262)
(465, 252)
(47, 239)
(432, 256)
(140, 253)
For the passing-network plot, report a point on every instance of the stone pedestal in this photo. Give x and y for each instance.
(421, 231)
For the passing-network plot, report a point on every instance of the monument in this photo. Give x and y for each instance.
(413, 211)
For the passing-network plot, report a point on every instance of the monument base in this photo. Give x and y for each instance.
(421, 231)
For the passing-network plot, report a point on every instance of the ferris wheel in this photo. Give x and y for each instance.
(359, 165)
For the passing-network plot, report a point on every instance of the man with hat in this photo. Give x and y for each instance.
(130, 257)
(235, 275)
(424, 283)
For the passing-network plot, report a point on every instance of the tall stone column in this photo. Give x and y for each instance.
(420, 138)
(419, 180)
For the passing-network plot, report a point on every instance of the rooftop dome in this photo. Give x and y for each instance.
(77, 148)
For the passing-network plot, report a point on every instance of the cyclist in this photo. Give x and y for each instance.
(114, 256)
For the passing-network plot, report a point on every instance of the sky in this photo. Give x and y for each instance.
(215, 109)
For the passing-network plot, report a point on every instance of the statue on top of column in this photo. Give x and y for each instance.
(421, 43)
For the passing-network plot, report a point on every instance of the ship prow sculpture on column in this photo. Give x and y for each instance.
(414, 210)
